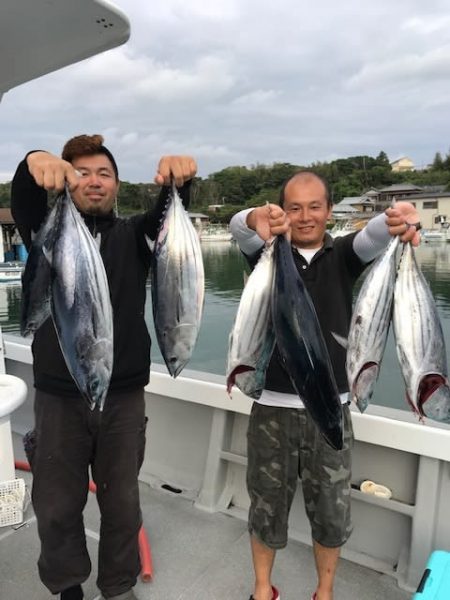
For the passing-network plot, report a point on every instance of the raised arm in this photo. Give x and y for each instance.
(38, 172)
(402, 219)
(253, 226)
(180, 168)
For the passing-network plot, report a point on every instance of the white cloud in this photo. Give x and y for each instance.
(209, 78)
(427, 24)
(256, 98)
(6, 176)
(433, 65)
(245, 82)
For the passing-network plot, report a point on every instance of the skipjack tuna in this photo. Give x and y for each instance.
(79, 298)
(302, 347)
(420, 341)
(178, 285)
(252, 338)
(369, 326)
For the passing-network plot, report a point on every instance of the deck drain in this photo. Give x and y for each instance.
(169, 488)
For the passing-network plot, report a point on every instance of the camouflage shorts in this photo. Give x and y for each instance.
(283, 445)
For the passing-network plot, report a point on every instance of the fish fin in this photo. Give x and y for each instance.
(150, 242)
(48, 254)
(342, 341)
(362, 406)
(411, 404)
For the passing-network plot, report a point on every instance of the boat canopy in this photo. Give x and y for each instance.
(41, 36)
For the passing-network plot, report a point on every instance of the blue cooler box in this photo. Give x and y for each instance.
(435, 582)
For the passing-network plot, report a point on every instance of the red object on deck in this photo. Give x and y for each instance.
(145, 553)
(22, 465)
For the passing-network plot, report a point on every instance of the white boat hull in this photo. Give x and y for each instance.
(216, 238)
(11, 272)
(436, 235)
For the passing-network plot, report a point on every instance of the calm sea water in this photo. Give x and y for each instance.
(224, 268)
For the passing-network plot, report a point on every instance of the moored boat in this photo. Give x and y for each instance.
(436, 235)
(215, 234)
(11, 272)
(343, 228)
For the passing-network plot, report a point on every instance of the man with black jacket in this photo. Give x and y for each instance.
(283, 441)
(68, 437)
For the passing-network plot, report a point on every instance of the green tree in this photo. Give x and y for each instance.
(382, 160)
(438, 162)
(446, 162)
(5, 194)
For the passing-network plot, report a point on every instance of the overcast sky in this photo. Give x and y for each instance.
(240, 82)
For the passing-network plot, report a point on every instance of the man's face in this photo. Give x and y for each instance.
(98, 186)
(306, 204)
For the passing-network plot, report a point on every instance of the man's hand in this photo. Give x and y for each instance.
(269, 220)
(180, 168)
(51, 172)
(403, 220)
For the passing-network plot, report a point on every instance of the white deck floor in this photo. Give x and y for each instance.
(196, 556)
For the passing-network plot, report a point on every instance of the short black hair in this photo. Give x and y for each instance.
(305, 172)
(88, 145)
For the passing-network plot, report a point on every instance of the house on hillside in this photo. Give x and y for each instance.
(402, 164)
(371, 193)
(11, 245)
(433, 208)
(398, 191)
(353, 207)
(199, 220)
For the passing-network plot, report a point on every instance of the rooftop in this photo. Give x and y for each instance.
(350, 200)
(6, 216)
(400, 187)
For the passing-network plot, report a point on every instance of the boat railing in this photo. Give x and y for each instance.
(204, 457)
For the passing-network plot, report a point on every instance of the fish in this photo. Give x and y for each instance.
(302, 347)
(81, 304)
(252, 338)
(420, 342)
(36, 278)
(369, 326)
(178, 285)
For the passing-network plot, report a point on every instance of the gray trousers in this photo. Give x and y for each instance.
(69, 438)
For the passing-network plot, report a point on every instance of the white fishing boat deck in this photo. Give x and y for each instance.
(196, 445)
(197, 555)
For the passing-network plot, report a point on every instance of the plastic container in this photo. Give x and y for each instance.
(12, 496)
(21, 252)
(375, 489)
(435, 582)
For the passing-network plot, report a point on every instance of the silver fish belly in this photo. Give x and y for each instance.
(252, 338)
(420, 342)
(178, 286)
(369, 326)
(81, 305)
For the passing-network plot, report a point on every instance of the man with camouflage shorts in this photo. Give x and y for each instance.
(283, 441)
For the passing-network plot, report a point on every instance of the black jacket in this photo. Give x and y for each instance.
(329, 279)
(126, 256)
